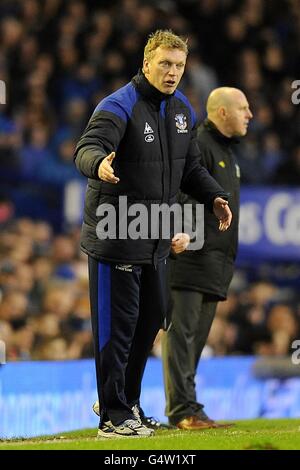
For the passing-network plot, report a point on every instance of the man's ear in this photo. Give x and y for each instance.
(145, 66)
(222, 112)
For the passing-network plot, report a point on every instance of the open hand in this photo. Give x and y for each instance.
(106, 171)
(223, 213)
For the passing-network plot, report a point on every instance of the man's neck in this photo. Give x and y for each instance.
(149, 90)
(220, 127)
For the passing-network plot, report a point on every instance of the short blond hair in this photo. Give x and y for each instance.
(166, 39)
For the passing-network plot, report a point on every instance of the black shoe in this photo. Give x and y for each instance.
(153, 423)
(149, 421)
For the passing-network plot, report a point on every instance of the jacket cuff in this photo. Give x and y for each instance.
(223, 195)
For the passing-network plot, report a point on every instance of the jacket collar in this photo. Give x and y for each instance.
(147, 90)
(223, 139)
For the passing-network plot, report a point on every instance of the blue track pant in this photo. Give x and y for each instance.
(128, 305)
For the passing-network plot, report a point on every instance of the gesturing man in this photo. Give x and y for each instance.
(139, 144)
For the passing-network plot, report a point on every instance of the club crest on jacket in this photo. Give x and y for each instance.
(181, 123)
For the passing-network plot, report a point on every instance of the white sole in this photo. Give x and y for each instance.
(113, 435)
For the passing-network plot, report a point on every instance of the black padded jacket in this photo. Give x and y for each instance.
(156, 155)
(210, 269)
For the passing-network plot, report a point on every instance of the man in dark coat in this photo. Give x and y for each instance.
(137, 151)
(201, 278)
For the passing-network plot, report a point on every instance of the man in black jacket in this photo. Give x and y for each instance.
(201, 278)
(137, 151)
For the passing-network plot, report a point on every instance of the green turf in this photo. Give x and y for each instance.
(254, 434)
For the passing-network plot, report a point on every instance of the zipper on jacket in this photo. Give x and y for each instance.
(162, 136)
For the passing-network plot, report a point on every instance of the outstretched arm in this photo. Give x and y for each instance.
(97, 145)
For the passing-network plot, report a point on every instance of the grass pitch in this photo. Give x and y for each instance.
(264, 434)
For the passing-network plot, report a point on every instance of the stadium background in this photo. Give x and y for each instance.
(58, 59)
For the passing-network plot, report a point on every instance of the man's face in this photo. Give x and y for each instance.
(238, 115)
(165, 69)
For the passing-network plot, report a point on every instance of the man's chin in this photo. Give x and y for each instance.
(168, 89)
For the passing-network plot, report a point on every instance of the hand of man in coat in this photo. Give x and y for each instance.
(106, 171)
(223, 213)
(180, 242)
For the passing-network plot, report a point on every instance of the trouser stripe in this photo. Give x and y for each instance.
(104, 304)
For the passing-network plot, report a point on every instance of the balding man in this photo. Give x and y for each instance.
(201, 278)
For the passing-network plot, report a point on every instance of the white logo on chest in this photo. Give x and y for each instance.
(148, 129)
(181, 123)
(149, 133)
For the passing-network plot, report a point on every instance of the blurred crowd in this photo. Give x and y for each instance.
(44, 303)
(257, 318)
(58, 59)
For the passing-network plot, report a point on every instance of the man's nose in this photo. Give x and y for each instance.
(173, 70)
